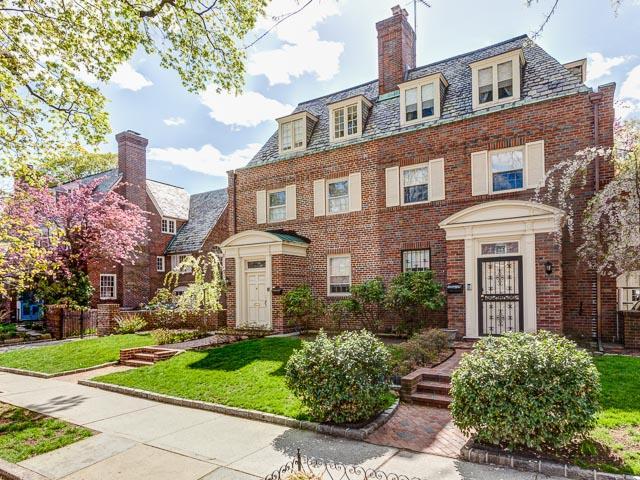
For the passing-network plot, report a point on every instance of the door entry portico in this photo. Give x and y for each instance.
(500, 295)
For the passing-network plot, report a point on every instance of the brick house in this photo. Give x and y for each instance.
(426, 167)
(180, 224)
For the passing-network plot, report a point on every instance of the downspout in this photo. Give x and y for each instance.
(234, 223)
(595, 101)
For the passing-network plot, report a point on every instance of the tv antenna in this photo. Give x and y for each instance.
(424, 3)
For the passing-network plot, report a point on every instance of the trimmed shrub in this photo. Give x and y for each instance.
(421, 350)
(341, 380)
(366, 303)
(526, 391)
(301, 307)
(412, 295)
(130, 324)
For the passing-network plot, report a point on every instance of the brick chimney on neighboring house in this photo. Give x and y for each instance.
(396, 50)
(132, 165)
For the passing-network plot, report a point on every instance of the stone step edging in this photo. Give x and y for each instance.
(351, 433)
(12, 471)
(488, 456)
(31, 373)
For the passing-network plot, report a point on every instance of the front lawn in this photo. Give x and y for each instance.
(248, 374)
(72, 355)
(25, 434)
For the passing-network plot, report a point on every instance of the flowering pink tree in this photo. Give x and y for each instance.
(56, 234)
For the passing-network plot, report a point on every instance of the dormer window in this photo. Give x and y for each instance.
(496, 80)
(294, 131)
(421, 99)
(347, 118)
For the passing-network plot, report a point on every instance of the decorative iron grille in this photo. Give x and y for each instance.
(328, 470)
(500, 295)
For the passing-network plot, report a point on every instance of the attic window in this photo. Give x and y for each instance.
(421, 99)
(168, 226)
(347, 118)
(496, 80)
(294, 131)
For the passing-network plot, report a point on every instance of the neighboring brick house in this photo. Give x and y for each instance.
(429, 167)
(180, 225)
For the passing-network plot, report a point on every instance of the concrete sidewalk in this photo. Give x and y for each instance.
(141, 439)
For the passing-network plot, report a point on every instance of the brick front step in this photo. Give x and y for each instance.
(143, 356)
(436, 377)
(431, 399)
(136, 363)
(434, 387)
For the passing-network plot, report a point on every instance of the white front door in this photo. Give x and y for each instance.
(257, 312)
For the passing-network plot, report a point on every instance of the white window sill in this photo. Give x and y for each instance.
(502, 101)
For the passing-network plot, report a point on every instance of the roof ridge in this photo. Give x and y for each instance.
(471, 52)
(339, 91)
(164, 183)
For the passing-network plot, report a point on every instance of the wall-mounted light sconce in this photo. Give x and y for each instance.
(548, 267)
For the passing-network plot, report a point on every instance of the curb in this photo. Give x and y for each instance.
(351, 433)
(12, 471)
(31, 373)
(489, 456)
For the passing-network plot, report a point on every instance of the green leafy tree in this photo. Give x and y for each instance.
(301, 307)
(412, 295)
(367, 303)
(75, 162)
(73, 291)
(49, 51)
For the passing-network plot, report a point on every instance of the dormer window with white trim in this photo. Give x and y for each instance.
(347, 118)
(496, 80)
(294, 131)
(421, 99)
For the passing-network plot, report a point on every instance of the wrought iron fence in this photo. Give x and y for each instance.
(328, 470)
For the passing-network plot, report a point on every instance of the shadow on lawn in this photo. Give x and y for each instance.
(239, 355)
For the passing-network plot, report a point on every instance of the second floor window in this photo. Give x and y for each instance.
(507, 169)
(168, 226)
(160, 264)
(415, 184)
(338, 196)
(277, 206)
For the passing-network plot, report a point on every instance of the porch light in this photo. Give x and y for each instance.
(548, 267)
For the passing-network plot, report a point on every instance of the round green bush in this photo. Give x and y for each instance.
(520, 390)
(341, 380)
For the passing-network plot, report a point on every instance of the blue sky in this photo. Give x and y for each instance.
(194, 139)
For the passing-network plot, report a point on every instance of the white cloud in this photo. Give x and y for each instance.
(126, 77)
(208, 159)
(173, 121)
(629, 104)
(301, 51)
(600, 66)
(246, 110)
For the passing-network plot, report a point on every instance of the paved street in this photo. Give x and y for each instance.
(142, 439)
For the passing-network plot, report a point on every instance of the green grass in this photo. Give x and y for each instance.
(618, 426)
(25, 434)
(248, 374)
(72, 355)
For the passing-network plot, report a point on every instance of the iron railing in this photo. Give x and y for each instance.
(329, 470)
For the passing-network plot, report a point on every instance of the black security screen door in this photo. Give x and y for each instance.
(500, 295)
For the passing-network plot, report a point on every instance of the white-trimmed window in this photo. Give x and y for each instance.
(496, 80)
(414, 182)
(507, 169)
(346, 118)
(416, 260)
(160, 264)
(338, 196)
(420, 99)
(176, 260)
(338, 275)
(168, 226)
(108, 286)
(293, 130)
(499, 248)
(277, 206)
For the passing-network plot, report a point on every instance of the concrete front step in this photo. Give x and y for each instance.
(434, 387)
(431, 399)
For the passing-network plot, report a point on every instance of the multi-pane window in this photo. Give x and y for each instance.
(338, 196)
(160, 264)
(505, 80)
(507, 169)
(277, 206)
(339, 274)
(416, 260)
(292, 135)
(345, 121)
(496, 80)
(424, 96)
(411, 104)
(107, 286)
(168, 226)
(485, 85)
(415, 184)
(499, 248)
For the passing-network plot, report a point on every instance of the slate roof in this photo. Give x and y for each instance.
(171, 201)
(543, 77)
(106, 181)
(204, 212)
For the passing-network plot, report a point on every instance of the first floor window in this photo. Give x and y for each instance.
(415, 184)
(338, 196)
(168, 226)
(160, 264)
(507, 168)
(277, 206)
(416, 260)
(107, 286)
(339, 276)
(176, 260)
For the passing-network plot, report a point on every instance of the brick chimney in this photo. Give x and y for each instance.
(396, 49)
(132, 164)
